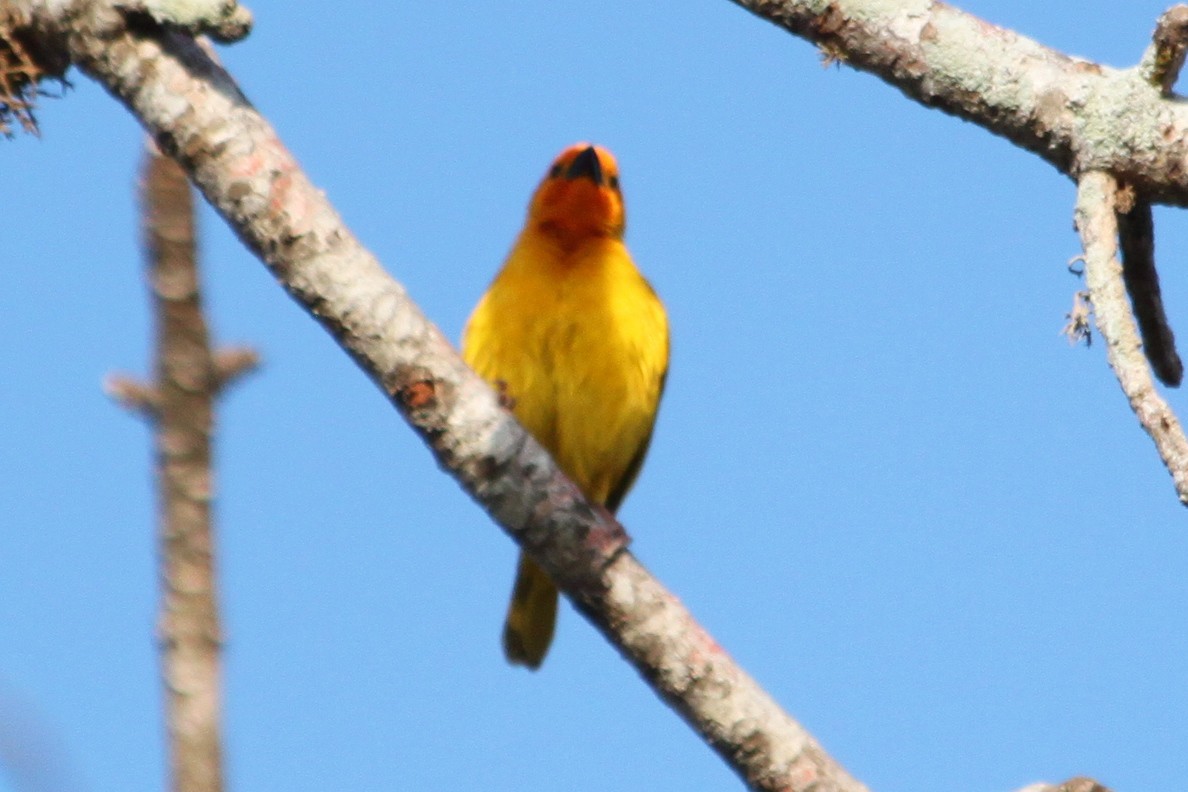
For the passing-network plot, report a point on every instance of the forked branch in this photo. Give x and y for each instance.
(1097, 223)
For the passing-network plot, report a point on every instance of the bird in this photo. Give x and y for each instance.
(577, 342)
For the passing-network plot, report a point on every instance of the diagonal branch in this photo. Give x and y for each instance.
(195, 111)
(1096, 219)
(1072, 113)
(1076, 115)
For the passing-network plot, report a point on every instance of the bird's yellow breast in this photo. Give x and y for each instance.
(580, 342)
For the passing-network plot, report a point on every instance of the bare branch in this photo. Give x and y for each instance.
(181, 406)
(192, 107)
(31, 53)
(1072, 113)
(1078, 116)
(1096, 219)
(1080, 784)
(133, 395)
(222, 20)
(190, 634)
(1136, 233)
(232, 363)
(1163, 60)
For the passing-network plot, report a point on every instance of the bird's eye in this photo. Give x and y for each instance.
(613, 181)
(555, 171)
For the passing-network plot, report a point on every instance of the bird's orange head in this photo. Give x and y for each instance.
(579, 197)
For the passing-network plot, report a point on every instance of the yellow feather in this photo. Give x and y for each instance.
(579, 342)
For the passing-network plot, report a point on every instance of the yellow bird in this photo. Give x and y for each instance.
(578, 341)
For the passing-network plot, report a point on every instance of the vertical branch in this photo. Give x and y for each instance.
(1136, 233)
(185, 385)
(1097, 223)
(180, 403)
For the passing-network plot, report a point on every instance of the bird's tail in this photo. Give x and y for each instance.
(530, 616)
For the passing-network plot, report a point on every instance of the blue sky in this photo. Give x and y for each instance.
(881, 477)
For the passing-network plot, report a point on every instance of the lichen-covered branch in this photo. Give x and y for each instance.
(1075, 114)
(196, 113)
(1096, 219)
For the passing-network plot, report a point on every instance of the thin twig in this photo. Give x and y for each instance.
(1078, 327)
(231, 364)
(133, 395)
(1096, 219)
(19, 75)
(1136, 234)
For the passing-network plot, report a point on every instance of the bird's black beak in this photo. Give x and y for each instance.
(586, 166)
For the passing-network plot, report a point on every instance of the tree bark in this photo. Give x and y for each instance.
(180, 405)
(1076, 115)
(1097, 222)
(194, 110)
